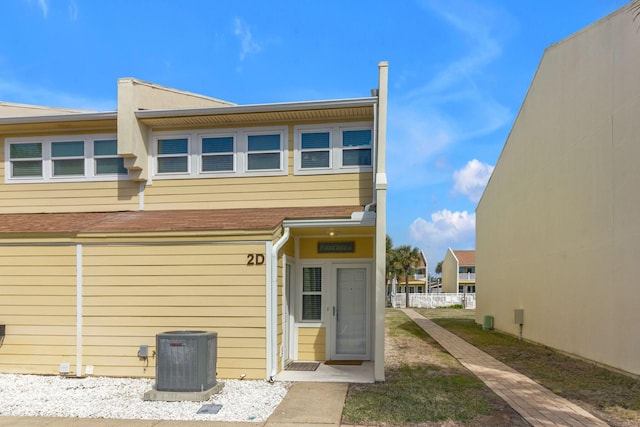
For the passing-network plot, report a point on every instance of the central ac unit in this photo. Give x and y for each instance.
(186, 360)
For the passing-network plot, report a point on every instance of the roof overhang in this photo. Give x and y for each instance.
(67, 122)
(346, 109)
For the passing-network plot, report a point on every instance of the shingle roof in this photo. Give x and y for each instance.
(466, 257)
(166, 220)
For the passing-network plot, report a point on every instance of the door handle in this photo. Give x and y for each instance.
(334, 310)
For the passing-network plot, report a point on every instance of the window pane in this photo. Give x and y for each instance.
(68, 167)
(26, 151)
(172, 164)
(217, 145)
(217, 163)
(264, 142)
(67, 149)
(356, 138)
(113, 165)
(315, 140)
(315, 159)
(356, 157)
(105, 148)
(312, 279)
(264, 161)
(173, 146)
(311, 307)
(26, 168)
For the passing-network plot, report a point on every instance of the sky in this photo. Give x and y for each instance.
(458, 73)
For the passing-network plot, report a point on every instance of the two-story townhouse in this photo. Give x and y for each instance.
(262, 223)
(459, 271)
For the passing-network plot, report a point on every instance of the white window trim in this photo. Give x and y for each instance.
(47, 161)
(240, 161)
(335, 156)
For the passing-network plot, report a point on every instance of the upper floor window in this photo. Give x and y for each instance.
(107, 161)
(173, 155)
(356, 147)
(315, 150)
(335, 148)
(218, 154)
(63, 158)
(67, 158)
(224, 152)
(264, 152)
(26, 160)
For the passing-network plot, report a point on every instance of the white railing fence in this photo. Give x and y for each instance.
(434, 300)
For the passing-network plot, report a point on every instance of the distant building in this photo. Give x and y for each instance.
(558, 234)
(417, 281)
(459, 271)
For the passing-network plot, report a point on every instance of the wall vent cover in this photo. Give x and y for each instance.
(186, 360)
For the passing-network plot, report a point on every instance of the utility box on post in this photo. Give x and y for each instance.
(518, 316)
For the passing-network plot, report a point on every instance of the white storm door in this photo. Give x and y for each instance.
(350, 338)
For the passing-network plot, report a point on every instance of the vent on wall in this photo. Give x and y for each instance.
(186, 360)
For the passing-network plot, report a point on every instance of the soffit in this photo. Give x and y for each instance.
(229, 118)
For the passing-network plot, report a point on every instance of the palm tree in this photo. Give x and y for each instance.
(406, 258)
(390, 268)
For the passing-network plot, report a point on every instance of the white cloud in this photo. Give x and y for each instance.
(445, 229)
(472, 179)
(453, 105)
(248, 45)
(44, 7)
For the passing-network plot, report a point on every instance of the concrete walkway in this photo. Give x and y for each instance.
(536, 404)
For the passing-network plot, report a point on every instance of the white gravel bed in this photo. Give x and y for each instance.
(100, 397)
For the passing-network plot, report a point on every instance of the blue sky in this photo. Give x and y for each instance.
(458, 72)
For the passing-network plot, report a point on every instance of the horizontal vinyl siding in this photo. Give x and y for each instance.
(260, 192)
(96, 196)
(133, 292)
(38, 307)
(312, 344)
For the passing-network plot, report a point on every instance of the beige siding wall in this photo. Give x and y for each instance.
(260, 192)
(103, 196)
(38, 297)
(557, 228)
(133, 292)
(130, 294)
(312, 343)
(96, 196)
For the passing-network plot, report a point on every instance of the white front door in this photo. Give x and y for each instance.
(350, 320)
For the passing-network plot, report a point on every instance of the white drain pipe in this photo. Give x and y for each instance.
(272, 307)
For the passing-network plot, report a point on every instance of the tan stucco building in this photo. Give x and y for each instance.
(459, 271)
(180, 212)
(558, 234)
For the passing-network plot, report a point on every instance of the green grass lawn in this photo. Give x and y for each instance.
(423, 384)
(615, 396)
(426, 386)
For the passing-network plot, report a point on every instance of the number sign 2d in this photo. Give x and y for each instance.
(255, 259)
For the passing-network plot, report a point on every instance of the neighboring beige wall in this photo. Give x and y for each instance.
(38, 294)
(450, 273)
(557, 228)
